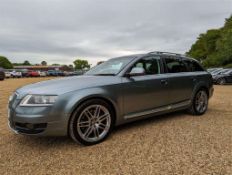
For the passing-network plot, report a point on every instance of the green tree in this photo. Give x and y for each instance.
(81, 64)
(44, 63)
(55, 64)
(26, 63)
(225, 43)
(214, 47)
(198, 50)
(5, 63)
(205, 48)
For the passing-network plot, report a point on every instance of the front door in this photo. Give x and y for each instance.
(145, 92)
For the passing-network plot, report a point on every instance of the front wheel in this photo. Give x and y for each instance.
(92, 122)
(200, 103)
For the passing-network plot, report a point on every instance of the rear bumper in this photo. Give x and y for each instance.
(211, 91)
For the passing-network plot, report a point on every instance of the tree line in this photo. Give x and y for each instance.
(214, 48)
(79, 64)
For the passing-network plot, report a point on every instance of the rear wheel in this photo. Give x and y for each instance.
(92, 122)
(222, 81)
(200, 103)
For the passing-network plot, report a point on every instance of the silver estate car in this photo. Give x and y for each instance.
(118, 91)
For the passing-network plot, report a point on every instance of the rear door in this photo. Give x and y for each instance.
(181, 81)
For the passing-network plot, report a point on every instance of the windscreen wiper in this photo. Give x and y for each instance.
(105, 74)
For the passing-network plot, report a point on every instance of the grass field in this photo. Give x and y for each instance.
(170, 144)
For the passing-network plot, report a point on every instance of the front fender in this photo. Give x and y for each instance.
(72, 100)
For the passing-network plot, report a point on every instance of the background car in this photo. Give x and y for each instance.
(42, 73)
(32, 73)
(66, 73)
(52, 73)
(60, 73)
(222, 71)
(24, 72)
(211, 70)
(223, 77)
(216, 71)
(55, 73)
(2, 74)
(16, 74)
(7, 74)
(76, 73)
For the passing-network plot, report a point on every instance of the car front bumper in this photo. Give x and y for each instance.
(41, 121)
(33, 125)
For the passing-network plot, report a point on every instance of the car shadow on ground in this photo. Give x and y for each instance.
(51, 142)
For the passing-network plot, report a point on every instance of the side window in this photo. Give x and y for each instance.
(175, 65)
(197, 67)
(193, 66)
(150, 65)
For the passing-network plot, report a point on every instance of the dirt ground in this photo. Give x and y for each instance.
(170, 144)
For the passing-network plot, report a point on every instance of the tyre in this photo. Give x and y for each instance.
(200, 103)
(91, 122)
(222, 81)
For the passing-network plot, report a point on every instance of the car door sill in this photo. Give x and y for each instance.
(160, 109)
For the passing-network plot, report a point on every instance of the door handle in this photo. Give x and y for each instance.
(164, 82)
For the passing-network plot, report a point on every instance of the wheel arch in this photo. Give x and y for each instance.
(92, 97)
(204, 88)
(199, 86)
(220, 78)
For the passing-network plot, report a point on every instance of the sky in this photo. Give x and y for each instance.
(60, 31)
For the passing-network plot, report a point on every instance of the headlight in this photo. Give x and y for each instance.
(38, 100)
(13, 96)
(10, 98)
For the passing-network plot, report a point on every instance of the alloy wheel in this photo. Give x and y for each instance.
(222, 81)
(94, 123)
(201, 101)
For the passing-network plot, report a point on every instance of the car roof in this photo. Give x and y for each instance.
(129, 56)
(156, 53)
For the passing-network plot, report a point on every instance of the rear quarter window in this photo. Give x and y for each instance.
(193, 66)
(175, 65)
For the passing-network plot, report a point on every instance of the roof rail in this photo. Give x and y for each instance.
(169, 53)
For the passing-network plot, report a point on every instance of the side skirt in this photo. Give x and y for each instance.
(159, 109)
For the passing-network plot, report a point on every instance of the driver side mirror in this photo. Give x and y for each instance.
(136, 71)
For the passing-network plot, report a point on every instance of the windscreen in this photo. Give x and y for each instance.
(110, 67)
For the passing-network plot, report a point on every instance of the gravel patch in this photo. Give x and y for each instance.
(176, 143)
